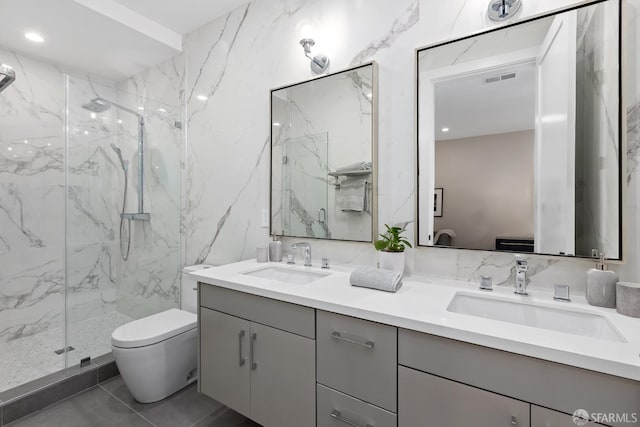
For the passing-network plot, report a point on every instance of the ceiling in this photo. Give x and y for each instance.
(487, 108)
(182, 16)
(109, 39)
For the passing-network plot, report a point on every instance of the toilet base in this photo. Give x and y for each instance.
(156, 371)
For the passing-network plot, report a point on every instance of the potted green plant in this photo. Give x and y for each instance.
(391, 248)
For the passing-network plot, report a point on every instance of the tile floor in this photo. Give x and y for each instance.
(110, 404)
(32, 357)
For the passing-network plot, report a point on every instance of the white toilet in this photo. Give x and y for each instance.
(156, 355)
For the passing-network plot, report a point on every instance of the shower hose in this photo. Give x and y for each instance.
(124, 250)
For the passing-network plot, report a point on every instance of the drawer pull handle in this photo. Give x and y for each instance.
(338, 416)
(252, 349)
(242, 360)
(338, 336)
(514, 421)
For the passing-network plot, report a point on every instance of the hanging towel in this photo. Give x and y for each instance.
(376, 278)
(352, 194)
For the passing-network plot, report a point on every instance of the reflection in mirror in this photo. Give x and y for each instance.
(322, 157)
(519, 130)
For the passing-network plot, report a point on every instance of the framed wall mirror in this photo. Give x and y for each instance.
(323, 156)
(521, 128)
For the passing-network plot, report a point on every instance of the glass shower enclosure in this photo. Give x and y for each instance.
(65, 282)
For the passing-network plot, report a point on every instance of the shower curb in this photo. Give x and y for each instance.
(28, 398)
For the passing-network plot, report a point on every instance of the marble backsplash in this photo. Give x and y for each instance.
(237, 59)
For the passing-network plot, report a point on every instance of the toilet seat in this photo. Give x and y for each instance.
(153, 329)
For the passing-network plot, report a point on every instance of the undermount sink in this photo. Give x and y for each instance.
(568, 321)
(287, 275)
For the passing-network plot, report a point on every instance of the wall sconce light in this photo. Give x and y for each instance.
(319, 63)
(501, 10)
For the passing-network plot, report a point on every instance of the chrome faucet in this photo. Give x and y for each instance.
(307, 252)
(521, 275)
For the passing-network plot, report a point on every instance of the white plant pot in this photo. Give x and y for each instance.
(391, 261)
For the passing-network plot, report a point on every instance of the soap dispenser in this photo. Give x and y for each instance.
(275, 250)
(601, 285)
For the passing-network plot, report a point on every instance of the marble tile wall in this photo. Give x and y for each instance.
(236, 59)
(31, 177)
(150, 278)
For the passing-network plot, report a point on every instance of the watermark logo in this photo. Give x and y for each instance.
(580, 417)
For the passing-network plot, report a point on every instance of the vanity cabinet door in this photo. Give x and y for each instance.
(542, 417)
(426, 400)
(224, 359)
(283, 379)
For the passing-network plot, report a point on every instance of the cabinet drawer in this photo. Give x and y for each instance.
(277, 314)
(542, 417)
(336, 409)
(426, 400)
(552, 385)
(358, 357)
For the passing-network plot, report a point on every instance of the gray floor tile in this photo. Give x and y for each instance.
(93, 408)
(181, 409)
(226, 418)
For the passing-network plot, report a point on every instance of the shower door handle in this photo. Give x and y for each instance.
(242, 360)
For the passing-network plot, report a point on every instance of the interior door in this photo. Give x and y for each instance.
(555, 138)
(224, 355)
(283, 384)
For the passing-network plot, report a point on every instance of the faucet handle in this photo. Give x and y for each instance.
(561, 293)
(521, 263)
(486, 283)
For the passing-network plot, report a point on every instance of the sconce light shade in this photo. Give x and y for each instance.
(319, 63)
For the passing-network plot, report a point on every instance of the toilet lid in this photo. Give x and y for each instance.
(153, 329)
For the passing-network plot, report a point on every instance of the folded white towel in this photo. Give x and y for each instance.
(357, 166)
(352, 194)
(376, 278)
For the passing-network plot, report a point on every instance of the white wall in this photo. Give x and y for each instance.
(237, 59)
(479, 204)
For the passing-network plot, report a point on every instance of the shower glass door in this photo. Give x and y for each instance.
(104, 287)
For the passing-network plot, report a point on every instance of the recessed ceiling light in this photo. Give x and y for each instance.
(34, 37)
(26, 141)
(141, 108)
(276, 124)
(202, 97)
(162, 110)
(120, 121)
(86, 132)
(445, 130)
(93, 115)
(9, 148)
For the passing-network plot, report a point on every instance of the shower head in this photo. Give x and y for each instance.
(7, 76)
(118, 152)
(97, 105)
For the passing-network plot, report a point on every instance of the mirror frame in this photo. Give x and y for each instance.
(374, 151)
(622, 125)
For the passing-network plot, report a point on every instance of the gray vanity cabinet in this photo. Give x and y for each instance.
(542, 417)
(358, 357)
(425, 400)
(282, 379)
(224, 367)
(263, 372)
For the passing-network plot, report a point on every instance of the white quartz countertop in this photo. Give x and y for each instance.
(421, 305)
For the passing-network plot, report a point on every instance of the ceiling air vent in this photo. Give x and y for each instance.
(494, 79)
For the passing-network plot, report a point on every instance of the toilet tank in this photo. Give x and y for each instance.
(189, 288)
